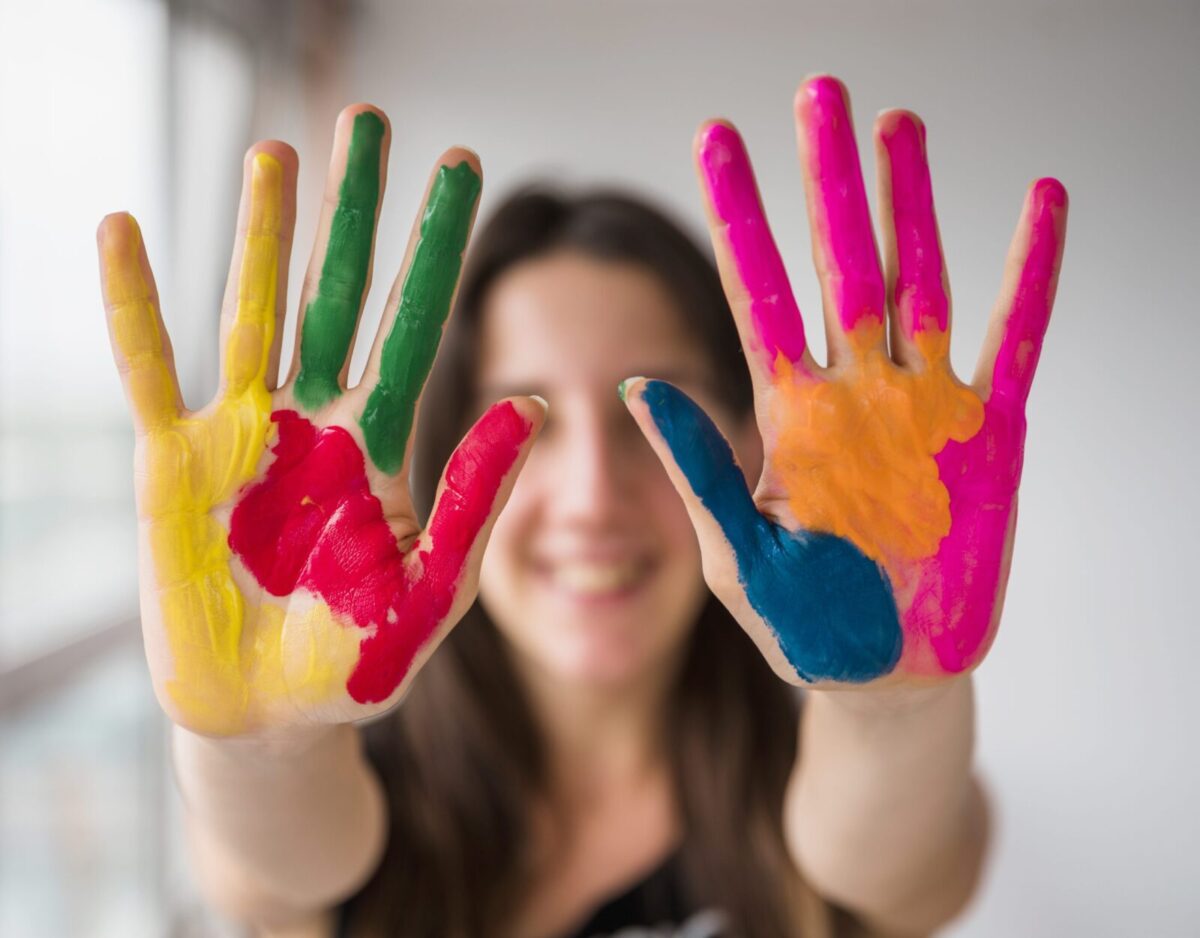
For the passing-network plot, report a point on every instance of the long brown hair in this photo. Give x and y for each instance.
(462, 758)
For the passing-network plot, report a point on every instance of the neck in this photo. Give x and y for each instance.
(600, 737)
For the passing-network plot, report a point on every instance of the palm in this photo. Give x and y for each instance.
(286, 580)
(878, 539)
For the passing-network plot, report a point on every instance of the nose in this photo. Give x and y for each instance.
(592, 475)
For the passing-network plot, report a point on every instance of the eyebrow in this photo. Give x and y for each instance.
(501, 389)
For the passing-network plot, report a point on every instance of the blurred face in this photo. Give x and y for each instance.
(593, 571)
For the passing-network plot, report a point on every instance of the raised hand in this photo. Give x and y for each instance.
(878, 540)
(285, 580)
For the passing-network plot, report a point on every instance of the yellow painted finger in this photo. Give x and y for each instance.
(138, 339)
(248, 344)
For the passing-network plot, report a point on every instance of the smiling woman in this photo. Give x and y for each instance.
(601, 743)
(597, 684)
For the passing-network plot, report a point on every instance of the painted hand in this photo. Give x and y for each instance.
(285, 580)
(878, 541)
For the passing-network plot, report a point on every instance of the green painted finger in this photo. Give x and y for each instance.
(330, 318)
(412, 342)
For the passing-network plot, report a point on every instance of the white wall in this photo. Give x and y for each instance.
(1087, 723)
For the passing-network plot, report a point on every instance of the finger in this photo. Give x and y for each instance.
(140, 343)
(474, 487)
(826, 610)
(256, 295)
(333, 298)
(700, 463)
(752, 272)
(917, 287)
(843, 241)
(1022, 313)
(412, 326)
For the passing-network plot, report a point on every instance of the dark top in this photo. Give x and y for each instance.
(654, 907)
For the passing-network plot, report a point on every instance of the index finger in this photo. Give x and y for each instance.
(752, 272)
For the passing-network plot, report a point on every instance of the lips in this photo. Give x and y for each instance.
(597, 578)
(591, 580)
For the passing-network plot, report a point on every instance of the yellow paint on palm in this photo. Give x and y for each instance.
(231, 668)
(299, 656)
(856, 454)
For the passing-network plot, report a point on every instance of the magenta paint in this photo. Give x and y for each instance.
(729, 179)
(1029, 314)
(920, 290)
(844, 237)
(956, 592)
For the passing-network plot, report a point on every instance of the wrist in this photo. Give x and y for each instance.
(282, 749)
(896, 702)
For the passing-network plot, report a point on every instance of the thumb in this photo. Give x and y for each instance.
(701, 464)
(475, 485)
(815, 605)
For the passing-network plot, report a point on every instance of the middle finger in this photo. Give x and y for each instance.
(843, 240)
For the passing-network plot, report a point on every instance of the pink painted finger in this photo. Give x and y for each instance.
(916, 272)
(762, 300)
(843, 239)
(1018, 326)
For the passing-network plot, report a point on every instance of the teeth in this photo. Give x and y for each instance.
(596, 577)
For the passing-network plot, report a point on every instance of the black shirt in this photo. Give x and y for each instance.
(654, 907)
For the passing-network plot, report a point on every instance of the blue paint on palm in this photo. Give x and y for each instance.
(830, 606)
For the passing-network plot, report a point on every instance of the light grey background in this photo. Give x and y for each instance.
(1087, 723)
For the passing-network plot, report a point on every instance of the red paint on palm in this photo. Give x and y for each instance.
(312, 523)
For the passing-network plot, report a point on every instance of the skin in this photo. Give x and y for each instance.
(595, 656)
(285, 581)
(888, 497)
(881, 812)
(887, 452)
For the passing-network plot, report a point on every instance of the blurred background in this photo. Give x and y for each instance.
(1087, 720)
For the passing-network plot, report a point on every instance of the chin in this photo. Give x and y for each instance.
(603, 660)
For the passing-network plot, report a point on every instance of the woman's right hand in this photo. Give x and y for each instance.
(285, 581)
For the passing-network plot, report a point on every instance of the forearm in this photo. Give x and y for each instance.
(882, 812)
(280, 830)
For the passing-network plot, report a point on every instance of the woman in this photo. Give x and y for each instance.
(599, 723)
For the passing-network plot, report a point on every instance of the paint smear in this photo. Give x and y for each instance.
(920, 295)
(191, 465)
(411, 344)
(829, 605)
(953, 608)
(330, 318)
(856, 454)
(313, 524)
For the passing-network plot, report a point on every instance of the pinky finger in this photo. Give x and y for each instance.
(139, 340)
(1022, 313)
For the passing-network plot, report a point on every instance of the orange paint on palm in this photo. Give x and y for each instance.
(855, 454)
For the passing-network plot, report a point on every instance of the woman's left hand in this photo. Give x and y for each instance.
(876, 547)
